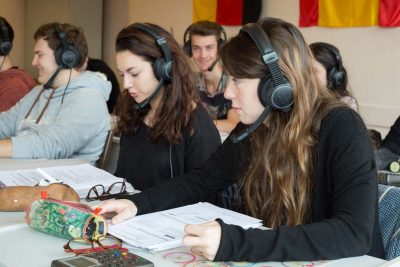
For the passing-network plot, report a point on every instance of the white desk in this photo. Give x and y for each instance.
(21, 246)
(18, 164)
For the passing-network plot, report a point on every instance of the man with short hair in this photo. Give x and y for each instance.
(15, 83)
(66, 115)
(202, 42)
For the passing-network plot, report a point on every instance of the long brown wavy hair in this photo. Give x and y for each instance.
(179, 98)
(277, 186)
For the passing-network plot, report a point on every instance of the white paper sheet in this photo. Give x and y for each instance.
(80, 177)
(164, 230)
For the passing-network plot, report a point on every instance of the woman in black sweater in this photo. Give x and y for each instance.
(165, 131)
(307, 170)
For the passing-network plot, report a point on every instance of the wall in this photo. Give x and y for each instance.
(85, 13)
(15, 15)
(371, 56)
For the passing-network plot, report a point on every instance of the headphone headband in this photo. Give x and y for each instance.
(268, 55)
(187, 46)
(162, 66)
(221, 30)
(159, 39)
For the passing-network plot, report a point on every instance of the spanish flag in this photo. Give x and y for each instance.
(345, 13)
(227, 12)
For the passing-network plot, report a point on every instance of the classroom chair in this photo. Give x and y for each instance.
(101, 162)
(389, 219)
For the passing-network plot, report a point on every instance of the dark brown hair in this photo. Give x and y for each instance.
(179, 97)
(278, 183)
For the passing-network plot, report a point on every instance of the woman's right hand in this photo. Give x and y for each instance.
(122, 208)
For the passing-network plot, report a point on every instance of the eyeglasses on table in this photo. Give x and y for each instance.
(87, 245)
(98, 192)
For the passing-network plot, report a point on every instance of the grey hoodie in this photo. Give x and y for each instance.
(77, 127)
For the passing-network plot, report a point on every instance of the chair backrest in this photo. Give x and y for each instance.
(100, 163)
(389, 219)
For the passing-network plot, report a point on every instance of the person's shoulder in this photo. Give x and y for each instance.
(344, 122)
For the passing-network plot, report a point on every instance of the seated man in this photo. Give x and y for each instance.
(202, 41)
(14, 82)
(66, 116)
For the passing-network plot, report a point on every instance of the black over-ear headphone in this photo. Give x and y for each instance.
(5, 43)
(187, 45)
(274, 90)
(162, 66)
(336, 74)
(67, 56)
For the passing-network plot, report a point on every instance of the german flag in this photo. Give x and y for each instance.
(345, 13)
(227, 12)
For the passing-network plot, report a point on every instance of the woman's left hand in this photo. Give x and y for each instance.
(203, 238)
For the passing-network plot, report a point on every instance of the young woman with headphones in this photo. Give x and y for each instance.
(202, 42)
(331, 73)
(165, 132)
(302, 160)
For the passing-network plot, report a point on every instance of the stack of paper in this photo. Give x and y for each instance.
(164, 230)
(80, 177)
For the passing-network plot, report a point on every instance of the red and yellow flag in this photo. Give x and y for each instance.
(345, 13)
(227, 12)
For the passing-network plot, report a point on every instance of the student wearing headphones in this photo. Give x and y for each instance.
(14, 82)
(165, 131)
(66, 115)
(331, 73)
(202, 42)
(302, 160)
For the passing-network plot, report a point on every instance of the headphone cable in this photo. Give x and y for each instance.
(65, 89)
(2, 62)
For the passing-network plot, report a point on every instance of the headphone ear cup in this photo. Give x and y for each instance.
(262, 90)
(221, 43)
(68, 58)
(188, 48)
(5, 48)
(162, 70)
(335, 78)
(277, 97)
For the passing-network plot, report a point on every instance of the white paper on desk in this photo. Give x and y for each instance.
(80, 177)
(164, 230)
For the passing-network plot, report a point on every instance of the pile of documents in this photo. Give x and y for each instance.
(165, 229)
(80, 177)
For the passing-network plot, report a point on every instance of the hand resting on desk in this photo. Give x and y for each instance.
(18, 198)
(123, 208)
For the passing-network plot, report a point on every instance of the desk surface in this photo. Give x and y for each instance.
(22, 246)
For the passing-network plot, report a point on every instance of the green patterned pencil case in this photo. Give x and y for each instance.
(65, 219)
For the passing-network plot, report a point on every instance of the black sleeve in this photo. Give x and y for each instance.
(215, 174)
(392, 139)
(346, 161)
(203, 142)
